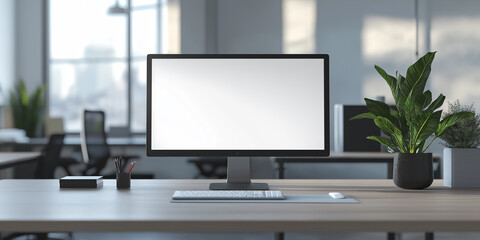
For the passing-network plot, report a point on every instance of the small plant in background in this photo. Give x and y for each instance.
(27, 110)
(465, 133)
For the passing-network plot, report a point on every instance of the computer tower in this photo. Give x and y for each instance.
(351, 135)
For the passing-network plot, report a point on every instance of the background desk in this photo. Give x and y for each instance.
(40, 206)
(349, 157)
(11, 159)
(72, 159)
(74, 140)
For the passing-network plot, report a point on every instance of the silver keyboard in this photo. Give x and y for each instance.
(228, 195)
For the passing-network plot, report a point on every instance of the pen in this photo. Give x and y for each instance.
(116, 164)
(131, 167)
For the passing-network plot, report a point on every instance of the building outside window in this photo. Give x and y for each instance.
(88, 59)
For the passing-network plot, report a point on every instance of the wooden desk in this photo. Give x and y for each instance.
(40, 206)
(11, 159)
(350, 157)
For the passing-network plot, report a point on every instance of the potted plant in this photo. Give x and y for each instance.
(27, 110)
(461, 157)
(409, 126)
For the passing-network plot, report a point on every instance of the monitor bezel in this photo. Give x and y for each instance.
(240, 152)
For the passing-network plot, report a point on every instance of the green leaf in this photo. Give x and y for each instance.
(428, 127)
(390, 130)
(411, 115)
(385, 125)
(381, 109)
(436, 104)
(378, 108)
(27, 110)
(363, 115)
(391, 147)
(391, 81)
(394, 113)
(399, 101)
(414, 83)
(400, 79)
(426, 99)
(418, 73)
(451, 120)
(402, 122)
(23, 93)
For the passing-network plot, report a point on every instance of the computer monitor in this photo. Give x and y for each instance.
(238, 106)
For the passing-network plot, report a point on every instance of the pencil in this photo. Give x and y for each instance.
(131, 166)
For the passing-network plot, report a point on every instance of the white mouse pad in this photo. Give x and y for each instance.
(289, 198)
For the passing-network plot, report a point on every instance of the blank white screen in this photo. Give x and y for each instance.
(237, 104)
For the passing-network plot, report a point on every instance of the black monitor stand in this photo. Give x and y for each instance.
(238, 176)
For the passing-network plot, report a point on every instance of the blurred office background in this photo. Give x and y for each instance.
(83, 50)
(90, 56)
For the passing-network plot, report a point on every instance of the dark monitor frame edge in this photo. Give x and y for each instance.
(239, 153)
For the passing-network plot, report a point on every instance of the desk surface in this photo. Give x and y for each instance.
(9, 159)
(39, 205)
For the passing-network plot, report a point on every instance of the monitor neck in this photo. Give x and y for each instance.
(238, 176)
(238, 170)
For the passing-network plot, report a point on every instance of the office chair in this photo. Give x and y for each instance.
(55, 126)
(214, 168)
(47, 162)
(95, 149)
(68, 162)
(50, 158)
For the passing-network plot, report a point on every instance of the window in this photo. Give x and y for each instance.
(88, 60)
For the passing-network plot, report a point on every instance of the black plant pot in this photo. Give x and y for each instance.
(413, 170)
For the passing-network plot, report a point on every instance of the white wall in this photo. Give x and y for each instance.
(29, 46)
(249, 26)
(360, 34)
(193, 26)
(356, 34)
(344, 29)
(456, 36)
(7, 47)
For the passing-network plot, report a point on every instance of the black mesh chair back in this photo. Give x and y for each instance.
(95, 150)
(50, 158)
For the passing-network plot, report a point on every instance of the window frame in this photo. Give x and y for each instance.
(129, 58)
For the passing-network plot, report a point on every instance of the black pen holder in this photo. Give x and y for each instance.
(123, 180)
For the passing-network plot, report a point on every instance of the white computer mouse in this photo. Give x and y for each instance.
(336, 195)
